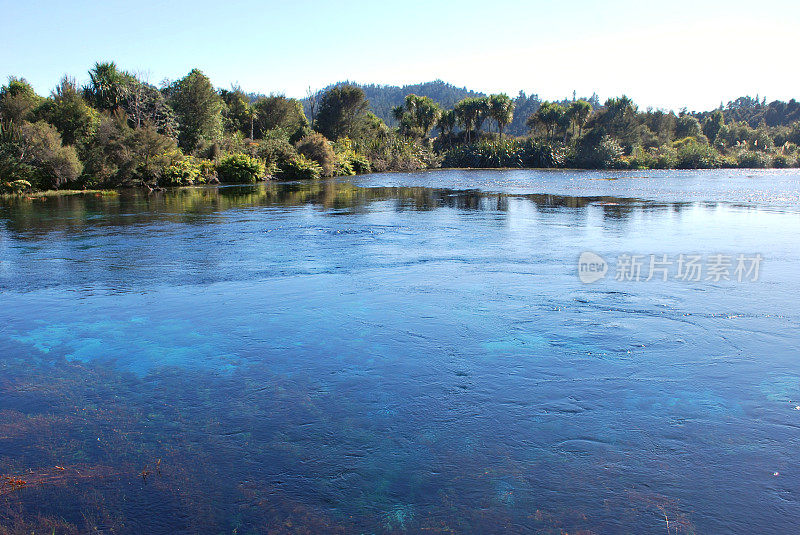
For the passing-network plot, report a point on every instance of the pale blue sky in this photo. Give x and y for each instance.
(662, 54)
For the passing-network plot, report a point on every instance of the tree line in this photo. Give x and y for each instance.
(118, 130)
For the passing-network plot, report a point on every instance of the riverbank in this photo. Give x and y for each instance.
(117, 191)
(60, 193)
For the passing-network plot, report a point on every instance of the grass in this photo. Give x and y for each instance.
(58, 193)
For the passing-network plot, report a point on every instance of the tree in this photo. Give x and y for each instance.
(312, 98)
(66, 109)
(145, 105)
(399, 113)
(315, 147)
(713, 124)
(199, 110)
(447, 122)
(239, 115)
(418, 114)
(619, 119)
(469, 113)
(578, 112)
(53, 164)
(549, 115)
(119, 155)
(106, 84)
(687, 126)
(501, 109)
(483, 111)
(341, 110)
(279, 112)
(18, 100)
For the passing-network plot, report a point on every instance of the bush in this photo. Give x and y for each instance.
(119, 155)
(51, 163)
(542, 154)
(783, 161)
(597, 153)
(751, 159)
(641, 159)
(666, 158)
(299, 168)
(653, 158)
(315, 147)
(695, 155)
(348, 161)
(493, 153)
(15, 186)
(240, 169)
(276, 152)
(389, 152)
(486, 154)
(184, 172)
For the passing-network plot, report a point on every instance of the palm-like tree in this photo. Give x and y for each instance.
(106, 85)
(549, 115)
(501, 109)
(578, 113)
(417, 113)
(470, 113)
(447, 122)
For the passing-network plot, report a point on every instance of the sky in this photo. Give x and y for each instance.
(669, 55)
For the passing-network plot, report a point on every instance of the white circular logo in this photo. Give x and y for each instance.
(591, 267)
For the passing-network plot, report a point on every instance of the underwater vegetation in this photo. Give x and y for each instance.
(320, 357)
(86, 447)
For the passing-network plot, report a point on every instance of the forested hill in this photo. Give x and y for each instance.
(382, 98)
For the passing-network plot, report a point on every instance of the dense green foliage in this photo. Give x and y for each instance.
(383, 99)
(119, 130)
(318, 149)
(199, 109)
(240, 169)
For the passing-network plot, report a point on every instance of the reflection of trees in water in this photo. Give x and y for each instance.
(29, 217)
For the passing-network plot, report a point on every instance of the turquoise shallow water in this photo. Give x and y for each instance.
(401, 353)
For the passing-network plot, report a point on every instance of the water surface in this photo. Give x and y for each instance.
(409, 352)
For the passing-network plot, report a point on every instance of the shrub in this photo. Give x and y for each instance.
(493, 153)
(52, 164)
(666, 158)
(695, 155)
(348, 161)
(240, 169)
(276, 152)
(184, 172)
(299, 168)
(598, 153)
(783, 161)
(753, 159)
(15, 186)
(642, 159)
(119, 155)
(389, 152)
(541, 154)
(653, 158)
(315, 147)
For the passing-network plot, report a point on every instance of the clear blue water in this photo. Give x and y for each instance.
(409, 352)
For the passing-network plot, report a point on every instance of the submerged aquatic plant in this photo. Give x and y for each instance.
(397, 517)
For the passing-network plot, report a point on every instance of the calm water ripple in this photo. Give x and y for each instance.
(408, 352)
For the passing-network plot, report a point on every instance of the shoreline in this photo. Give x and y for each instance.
(31, 195)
